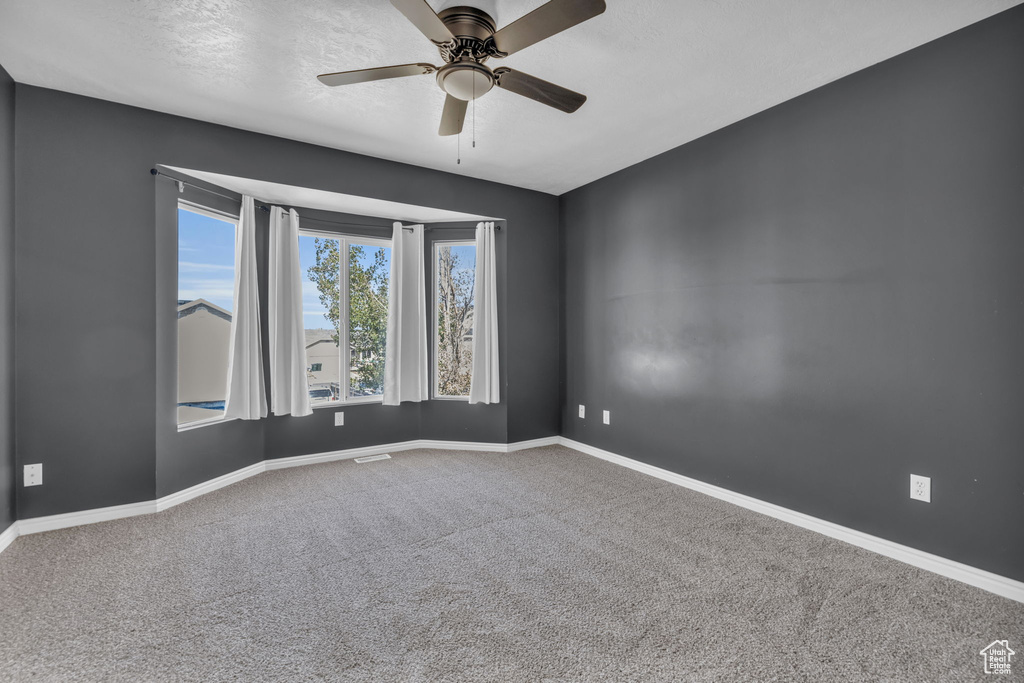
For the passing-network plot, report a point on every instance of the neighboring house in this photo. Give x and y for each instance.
(323, 365)
(204, 338)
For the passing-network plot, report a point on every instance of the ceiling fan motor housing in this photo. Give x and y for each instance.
(464, 76)
(468, 22)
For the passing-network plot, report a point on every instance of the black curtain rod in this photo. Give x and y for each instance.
(266, 208)
(182, 183)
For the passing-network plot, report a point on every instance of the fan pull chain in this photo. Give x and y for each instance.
(458, 159)
(474, 112)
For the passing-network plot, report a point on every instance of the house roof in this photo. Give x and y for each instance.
(318, 335)
(187, 307)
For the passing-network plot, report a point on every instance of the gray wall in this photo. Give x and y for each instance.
(87, 251)
(7, 478)
(814, 303)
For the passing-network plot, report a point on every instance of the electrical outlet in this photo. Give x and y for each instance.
(34, 475)
(339, 418)
(583, 410)
(607, 417)
(921, 488)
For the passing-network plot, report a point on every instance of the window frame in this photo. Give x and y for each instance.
(209, 213)
(435, 244)
(344, 359)
(194, 207)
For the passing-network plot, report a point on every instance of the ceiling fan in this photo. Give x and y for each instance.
(466, 38)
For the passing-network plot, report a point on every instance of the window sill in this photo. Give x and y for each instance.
(368, 400)
(189, 426)
(364, 400)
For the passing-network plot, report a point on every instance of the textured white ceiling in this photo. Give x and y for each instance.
(658, 73)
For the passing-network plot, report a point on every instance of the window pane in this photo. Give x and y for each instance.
(319, 261)
(369, 269)
(455, 269)
(206, 272)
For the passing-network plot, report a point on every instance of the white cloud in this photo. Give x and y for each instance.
(217, 296)
(190, 265)
(309, 288)
(194, 282)
(219, 290)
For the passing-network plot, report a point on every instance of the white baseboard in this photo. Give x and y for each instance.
(534, 443)
(490, 447)
(463, 446)
(34, 525)
(220, 482)
(349, 453)
(8, 536)
(979, 578)
(346, 454)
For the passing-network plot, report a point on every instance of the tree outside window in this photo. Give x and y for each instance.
(368, 268)
(455, 279)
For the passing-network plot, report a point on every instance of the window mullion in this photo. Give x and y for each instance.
(435, 316)
(343, 316)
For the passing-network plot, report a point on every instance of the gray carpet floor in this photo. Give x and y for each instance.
(541, 565)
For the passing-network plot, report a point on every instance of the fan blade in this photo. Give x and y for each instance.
(453, 116)
(378, 74)
(425, 19)
(540, 90)
(544, 22)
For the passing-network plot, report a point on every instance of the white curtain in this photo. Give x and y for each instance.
(246, 395)
(405, 356)
(289, 388)
(483, 387)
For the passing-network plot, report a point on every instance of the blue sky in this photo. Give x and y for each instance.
(466, 255)
(312, 310)
(206, 259)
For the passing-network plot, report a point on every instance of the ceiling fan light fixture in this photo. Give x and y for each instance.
(466, 37)
(466, 80)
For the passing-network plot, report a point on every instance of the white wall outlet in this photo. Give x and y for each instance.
(34, 475)
(339, 418)
(583, 410)
(921, 488)
(607, 417)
